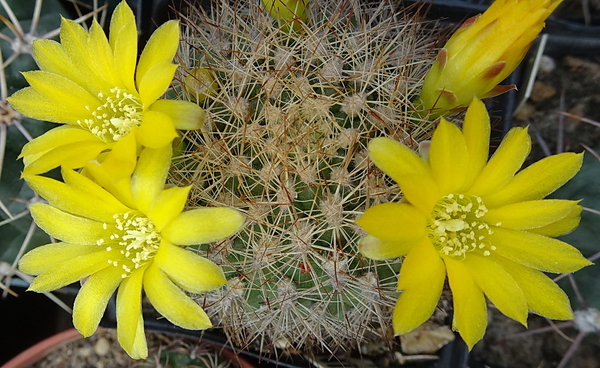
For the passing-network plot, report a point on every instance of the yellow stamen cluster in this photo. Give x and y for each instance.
(115, 118)
(455, 227)
(135, 238)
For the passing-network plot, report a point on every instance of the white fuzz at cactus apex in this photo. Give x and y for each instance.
(289, 115)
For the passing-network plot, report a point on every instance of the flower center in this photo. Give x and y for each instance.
(135, 237)
(455, 227)
(115, 118)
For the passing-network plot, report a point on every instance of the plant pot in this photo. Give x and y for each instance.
(42, 349)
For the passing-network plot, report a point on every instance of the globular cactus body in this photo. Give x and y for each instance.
(289, 114)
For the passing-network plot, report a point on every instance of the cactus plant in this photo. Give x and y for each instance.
(289, 114)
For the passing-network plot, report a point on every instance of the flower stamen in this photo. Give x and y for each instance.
(455, 227)
(135, 238)
(114, 119)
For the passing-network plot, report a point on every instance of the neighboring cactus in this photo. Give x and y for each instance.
(288, 119)
(176, 352)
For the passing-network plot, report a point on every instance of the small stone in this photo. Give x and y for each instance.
(587, 320)
(84, 352)
(102, 346)
(547, 64)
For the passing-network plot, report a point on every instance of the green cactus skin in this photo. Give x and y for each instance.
(289, 115)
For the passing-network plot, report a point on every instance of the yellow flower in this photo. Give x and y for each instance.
(482, 53)
(476, 221)
(92, 84)
(287, 12)
(121, 229)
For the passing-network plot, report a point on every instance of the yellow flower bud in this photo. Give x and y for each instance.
(482, 53)
(201, 83)
(287, 12)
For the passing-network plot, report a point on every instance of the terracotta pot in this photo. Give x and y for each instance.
(42, 349)
(236, 359)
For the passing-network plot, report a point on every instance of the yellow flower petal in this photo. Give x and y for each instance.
(156, 82)
(139, 348)
(69, 271)
(536, 251)
(74, 40)
(470, 307)
(67, 227)
(505, 162)
(190, 271)
(161, 47)
(52, 57)
(73, 37)
(103, 60)
(395, 159)
(60, 136)
(80, 196)
(448, 157)
(375, 248)
(394, 222)
(123, 41)
(168, 205)
(63, 91)
(499, 286)
(157, 130)
(422, 278)
(34, 104)
(114, 173)
(476, 130)
(173, 303)
(530, 214)
(543, 296)
(69, 156)
(92, 299)
(537, 180)
(130, 325)
(46, 257)
(185, 115)
(421, 196)
(407, 169)
(562, 226)
(203, 225)
(149, 177)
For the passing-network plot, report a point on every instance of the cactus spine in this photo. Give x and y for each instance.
(289, 114)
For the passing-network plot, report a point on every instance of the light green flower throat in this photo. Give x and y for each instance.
(455, 227)
(114, 119)
(134, 239)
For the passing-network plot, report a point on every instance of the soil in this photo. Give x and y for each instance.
(503, 347)
(98, 351)
(102, 350)
(568, 85)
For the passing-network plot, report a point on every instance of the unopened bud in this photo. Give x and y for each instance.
(289, 13)
(482, 53)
